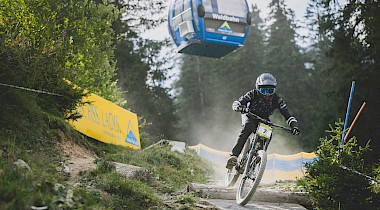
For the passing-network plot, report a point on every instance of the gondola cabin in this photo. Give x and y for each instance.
(211, 28)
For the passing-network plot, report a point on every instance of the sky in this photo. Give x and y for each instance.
(298, 6)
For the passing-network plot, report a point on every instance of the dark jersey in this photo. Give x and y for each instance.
(264, 108)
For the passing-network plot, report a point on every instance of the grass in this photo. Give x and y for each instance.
(169, 169)
(32, 137)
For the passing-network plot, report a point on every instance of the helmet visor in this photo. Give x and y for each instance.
(267, 90)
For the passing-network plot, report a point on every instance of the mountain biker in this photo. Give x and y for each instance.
(261, 101)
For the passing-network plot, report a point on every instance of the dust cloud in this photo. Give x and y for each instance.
(284, 144)
(221, 134)
(217, 136)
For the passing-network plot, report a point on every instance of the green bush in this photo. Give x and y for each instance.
(376, 187)
(332, 180)
(43, 42)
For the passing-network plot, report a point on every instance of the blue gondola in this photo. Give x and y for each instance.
(211, 28)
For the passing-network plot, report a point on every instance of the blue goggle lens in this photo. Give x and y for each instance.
(267, 91)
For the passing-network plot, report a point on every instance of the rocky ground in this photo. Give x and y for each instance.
(281, 196)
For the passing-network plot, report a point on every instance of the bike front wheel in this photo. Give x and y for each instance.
(251, 180)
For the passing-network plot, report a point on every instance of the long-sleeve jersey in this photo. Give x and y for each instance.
(264, 108)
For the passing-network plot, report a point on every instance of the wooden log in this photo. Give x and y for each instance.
(212, 191)
(262, 194)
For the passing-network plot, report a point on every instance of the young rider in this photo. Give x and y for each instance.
(261, 101)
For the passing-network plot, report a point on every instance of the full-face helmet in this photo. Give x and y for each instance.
(266, 84)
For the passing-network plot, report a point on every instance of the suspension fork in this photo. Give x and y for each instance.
(251, 154)
(265, 147)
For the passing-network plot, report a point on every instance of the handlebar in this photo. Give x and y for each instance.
(269, 122)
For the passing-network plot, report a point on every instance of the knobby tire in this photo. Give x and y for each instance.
(241, 199)
(232, 174)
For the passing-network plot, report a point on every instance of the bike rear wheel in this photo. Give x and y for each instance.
(233, 174)
(249, 184)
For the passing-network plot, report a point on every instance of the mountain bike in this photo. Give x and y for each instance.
(252, 161)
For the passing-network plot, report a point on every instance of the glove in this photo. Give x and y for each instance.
(293, 123)
(236, 106)
(295, 131)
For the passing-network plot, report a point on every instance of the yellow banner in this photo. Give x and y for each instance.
(107, 122)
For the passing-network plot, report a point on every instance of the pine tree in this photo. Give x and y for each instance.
(354, 53)
(142, 71)
(286, 61)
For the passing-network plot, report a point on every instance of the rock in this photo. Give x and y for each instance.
(59, 187)
(22, 164)
(66, 169)
(69, 198)
(175, 146)
(39, 207)
(132, 172)
(63, 168)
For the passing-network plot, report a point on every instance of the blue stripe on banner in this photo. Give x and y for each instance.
(288, 165)
(218, 158)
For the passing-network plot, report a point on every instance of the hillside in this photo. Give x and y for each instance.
(44, 164)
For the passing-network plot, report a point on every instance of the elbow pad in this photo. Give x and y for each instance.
(292, 122)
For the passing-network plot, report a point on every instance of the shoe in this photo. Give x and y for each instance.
(231, 162)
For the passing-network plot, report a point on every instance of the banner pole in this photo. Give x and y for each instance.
(348, 112)
(353, 122)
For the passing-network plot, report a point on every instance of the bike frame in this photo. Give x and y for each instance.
(254, 147)
(253, 142)
(252, 161)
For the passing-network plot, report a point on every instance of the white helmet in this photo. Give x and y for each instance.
(266, 80)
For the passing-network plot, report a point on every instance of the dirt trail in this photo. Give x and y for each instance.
(78, 158)
(231, 205)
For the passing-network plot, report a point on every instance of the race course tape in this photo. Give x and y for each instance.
(279, 167)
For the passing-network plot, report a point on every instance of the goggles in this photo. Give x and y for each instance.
(267, 90)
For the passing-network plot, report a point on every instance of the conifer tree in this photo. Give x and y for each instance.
(286, 61)
(353, 29)
(142, 70)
